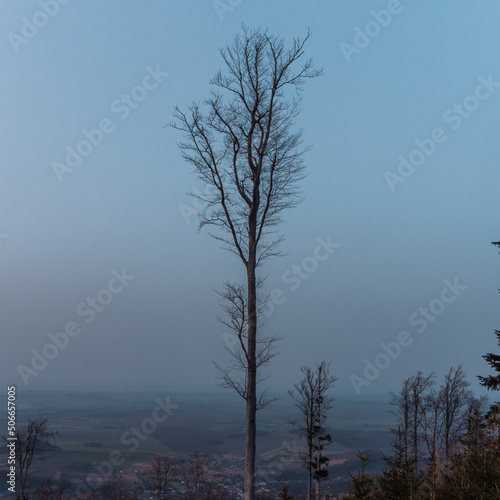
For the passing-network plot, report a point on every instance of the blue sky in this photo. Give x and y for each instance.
(121, 207)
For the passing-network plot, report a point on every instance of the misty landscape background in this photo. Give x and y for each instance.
(121, 207)
(388, 249)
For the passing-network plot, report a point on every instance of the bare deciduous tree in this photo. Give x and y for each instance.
(196, 471)
(410, 409)
(432, 427)
(313, 403)
(402, 411)
(243, 148)
(419, 387)
(32, 440)
(454, 396)
(162, 473)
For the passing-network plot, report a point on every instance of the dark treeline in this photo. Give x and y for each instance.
(446, 446)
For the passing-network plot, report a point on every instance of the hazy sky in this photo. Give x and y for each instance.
(403, 81)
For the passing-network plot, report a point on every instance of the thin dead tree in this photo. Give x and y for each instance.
(161, 474)
(244, 150)
(32, 441)
(197, 463)
(420, 386)
(313, 403)
(432, 429)
(402, 411)
(454, 395)
(322, 437)
(304, 400)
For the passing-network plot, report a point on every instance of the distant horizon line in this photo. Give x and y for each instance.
(138, 389)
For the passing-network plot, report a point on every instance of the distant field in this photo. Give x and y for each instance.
(93, 425)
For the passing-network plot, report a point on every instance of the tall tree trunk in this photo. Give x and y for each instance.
(252, 373)
(415, 430)
(309, 481)
(310, 444)
(318, 444)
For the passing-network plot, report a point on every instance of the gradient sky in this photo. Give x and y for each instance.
(121, 206)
